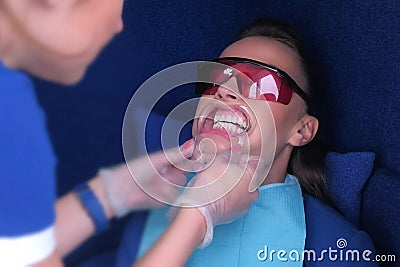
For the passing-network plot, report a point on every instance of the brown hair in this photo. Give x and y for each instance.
(306, 162)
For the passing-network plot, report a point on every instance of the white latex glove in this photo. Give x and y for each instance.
(226, 196)
(125, 194)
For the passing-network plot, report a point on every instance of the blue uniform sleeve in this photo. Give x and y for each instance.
(27, 163)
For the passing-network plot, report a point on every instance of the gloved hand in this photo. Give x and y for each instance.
(221, 191)
(124, 183)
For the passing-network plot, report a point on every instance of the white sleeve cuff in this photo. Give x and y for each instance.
(27, 249)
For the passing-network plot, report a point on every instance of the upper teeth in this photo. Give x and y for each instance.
(231, 122)
(231, 118)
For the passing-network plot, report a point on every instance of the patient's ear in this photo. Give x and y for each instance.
(304, 131)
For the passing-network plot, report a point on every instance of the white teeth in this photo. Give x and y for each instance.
(239, 131)
(229, 127)
(217, 125)
(230, 121)
(232, 128)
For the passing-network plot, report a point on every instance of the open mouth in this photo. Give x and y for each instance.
(229, 122)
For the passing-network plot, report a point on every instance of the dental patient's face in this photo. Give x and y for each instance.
(226, 116)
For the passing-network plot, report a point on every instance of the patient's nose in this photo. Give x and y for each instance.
(228, 90)
(224, 93)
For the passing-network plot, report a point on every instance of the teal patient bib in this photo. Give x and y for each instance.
(272, 233)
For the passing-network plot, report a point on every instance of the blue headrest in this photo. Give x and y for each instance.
(346, 176)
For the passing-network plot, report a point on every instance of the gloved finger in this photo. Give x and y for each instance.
(216, 181)
(248, 163)
(177, 156)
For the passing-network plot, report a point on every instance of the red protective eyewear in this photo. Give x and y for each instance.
(255, 80)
